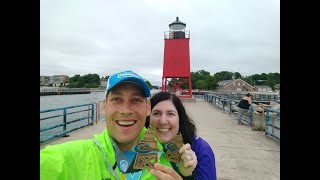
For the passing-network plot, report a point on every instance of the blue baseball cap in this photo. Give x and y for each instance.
(127, 76)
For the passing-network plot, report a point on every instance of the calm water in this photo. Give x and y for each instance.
(59, 101)
(56, 101)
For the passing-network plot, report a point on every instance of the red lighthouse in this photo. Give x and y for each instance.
(176, 63)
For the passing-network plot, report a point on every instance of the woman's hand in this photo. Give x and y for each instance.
(188, 160)
(162, 172)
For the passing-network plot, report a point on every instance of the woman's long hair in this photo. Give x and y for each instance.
(186, 124)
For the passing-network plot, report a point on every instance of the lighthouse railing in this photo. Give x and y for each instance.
(176, 34)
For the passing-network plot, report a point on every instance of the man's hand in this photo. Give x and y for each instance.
(162, 172)
(188, 160)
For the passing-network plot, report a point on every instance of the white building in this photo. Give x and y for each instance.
(55, 81)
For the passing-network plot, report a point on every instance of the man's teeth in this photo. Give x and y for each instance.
(126, 123)
(163, 130)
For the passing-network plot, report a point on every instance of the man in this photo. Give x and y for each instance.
(109, 155)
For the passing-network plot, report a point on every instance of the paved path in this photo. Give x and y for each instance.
(240, 152)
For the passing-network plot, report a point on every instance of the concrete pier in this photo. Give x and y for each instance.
(63, 91)
(240, 153)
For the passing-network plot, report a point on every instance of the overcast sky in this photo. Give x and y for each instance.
(107, 36)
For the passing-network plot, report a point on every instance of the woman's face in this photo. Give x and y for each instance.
(164, 121)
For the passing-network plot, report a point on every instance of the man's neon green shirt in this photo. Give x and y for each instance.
(84, 160)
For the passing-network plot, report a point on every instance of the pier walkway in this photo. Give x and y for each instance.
(240, 153)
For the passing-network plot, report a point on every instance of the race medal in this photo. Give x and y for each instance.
(173, 147)
(146, 151)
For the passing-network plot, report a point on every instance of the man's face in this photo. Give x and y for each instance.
(126, 110)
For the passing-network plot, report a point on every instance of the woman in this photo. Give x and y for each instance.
(244, 106)
(168, 118)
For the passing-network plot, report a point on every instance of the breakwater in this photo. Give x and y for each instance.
(63, 91)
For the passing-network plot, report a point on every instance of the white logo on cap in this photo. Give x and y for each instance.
(128, 74)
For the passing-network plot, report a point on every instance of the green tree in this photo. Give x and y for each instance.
(200, 75)
(247, 79)
(210, 83)
(74, 79)
(263, 76)
(87, 81)
(200, 84)
(277, 77)
(200, 79)
(195, 76)
(237, 75)
(255, 79)
(217, 77)
(271, 80)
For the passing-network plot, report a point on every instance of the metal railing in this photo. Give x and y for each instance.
(256, 96)
(53, 122)
(272, 114)
(258, 121)
(184, 34)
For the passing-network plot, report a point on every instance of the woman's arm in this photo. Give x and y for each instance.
(188, 160)
(206, 167)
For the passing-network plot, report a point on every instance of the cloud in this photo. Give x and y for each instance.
(104, 37)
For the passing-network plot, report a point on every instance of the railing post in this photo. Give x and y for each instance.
(92, 114)
(230, 106)
(65, 122)
(211, 98)
(266, 122)
(273, 126)
(64, 119)
(262, 120)
(98, 112)
(223, 100)
(88, 113)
